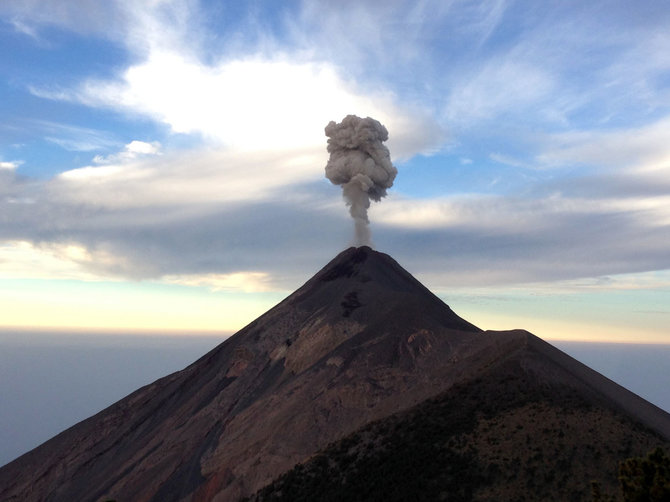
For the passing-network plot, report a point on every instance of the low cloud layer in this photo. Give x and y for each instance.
(172, 225)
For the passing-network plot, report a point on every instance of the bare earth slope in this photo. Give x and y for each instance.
(360, 341)
(527, 429)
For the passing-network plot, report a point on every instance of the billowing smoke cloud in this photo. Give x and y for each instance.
(361, 164)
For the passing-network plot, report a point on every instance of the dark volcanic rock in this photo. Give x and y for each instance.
(526, 429)
(359, 342)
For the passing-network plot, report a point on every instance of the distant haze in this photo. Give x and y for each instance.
(50, 381)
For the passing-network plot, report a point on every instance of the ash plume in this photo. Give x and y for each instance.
(361, 164)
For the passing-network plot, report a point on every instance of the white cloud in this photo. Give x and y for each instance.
(245, 281)
(256, 104)
(136, 147)
(242, 98)
(10, 165)
(196, 177)
(20, 259)
(133, 150)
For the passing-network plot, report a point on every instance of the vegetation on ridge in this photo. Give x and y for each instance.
(503, 437)
(641, 479)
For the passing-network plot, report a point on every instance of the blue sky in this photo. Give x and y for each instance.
(162, 162)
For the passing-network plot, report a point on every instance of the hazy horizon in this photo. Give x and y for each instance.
(50, 381)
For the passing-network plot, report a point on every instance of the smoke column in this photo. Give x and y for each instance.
(361, 164)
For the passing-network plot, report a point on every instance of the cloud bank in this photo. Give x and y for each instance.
(567, 150)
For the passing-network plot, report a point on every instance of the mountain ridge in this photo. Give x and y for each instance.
(507, 434)
(360, 341)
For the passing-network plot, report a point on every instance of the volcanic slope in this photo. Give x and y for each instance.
(361, 342)
(524, 430)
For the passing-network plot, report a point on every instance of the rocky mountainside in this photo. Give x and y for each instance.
(360, 347)
(525, 429)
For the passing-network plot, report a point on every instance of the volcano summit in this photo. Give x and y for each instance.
(358, 354)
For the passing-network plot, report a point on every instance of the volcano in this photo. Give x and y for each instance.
(359, 352)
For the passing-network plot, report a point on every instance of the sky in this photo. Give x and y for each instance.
(162, 162)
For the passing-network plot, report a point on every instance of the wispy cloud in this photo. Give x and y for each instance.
(498, 88)
(22, 27)
(508, 160)
(642, 148)
(74, 138)
(85, 16)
